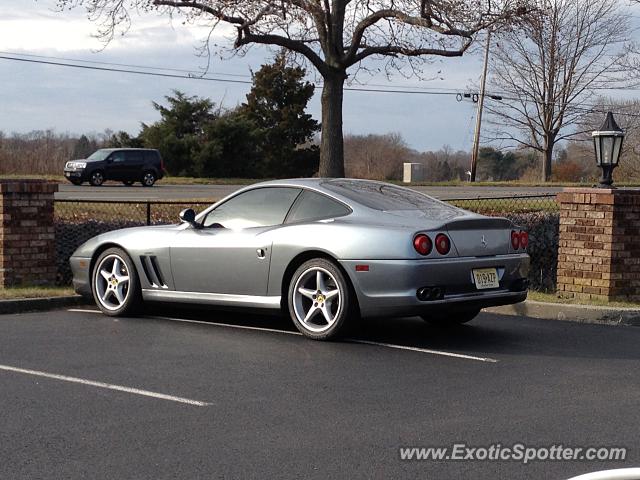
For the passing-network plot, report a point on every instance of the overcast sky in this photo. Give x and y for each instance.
(36, 96)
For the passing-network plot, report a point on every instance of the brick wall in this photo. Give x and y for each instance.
(599, 247)
(27, 234)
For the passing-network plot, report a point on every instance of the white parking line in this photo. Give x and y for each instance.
(287, 332)
(424, 350)
(108, 386)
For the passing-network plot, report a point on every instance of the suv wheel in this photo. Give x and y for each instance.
(148, 179)
(96, 178)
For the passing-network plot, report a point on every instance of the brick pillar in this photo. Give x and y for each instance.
(27, 234)
(599, 252)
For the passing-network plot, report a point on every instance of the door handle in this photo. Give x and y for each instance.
(262, 252)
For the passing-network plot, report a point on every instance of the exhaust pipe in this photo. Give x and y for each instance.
(427, 294)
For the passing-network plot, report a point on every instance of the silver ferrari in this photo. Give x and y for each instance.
(325, 251)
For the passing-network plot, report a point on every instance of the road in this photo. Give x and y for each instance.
(115, 191)
(245, 397)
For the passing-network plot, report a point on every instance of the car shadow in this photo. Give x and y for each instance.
(485, 336)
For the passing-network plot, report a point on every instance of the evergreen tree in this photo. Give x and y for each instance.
(84, 147)
(276, 105)
(179, 132)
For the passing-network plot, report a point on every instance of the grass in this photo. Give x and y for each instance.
(14, 293)
(553, 298)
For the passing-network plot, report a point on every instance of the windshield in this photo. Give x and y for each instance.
(390, 198)
(99, 155)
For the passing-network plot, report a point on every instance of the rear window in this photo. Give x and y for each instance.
(390, 198)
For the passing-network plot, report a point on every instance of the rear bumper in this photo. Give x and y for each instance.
(390, 287)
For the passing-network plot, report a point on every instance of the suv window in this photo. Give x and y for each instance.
(117, 157)
(315, 206)
(255, 208)
(134, 156)
(151, 156)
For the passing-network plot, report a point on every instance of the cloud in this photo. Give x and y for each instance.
(40, 97)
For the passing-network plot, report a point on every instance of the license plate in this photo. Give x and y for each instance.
(485, 278)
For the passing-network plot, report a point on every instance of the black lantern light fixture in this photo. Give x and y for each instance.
(608, 144)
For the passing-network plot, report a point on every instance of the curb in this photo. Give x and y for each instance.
(24, 305)
(571, 313)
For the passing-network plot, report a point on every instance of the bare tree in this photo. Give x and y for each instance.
(378, 157)
(332, 35)
(564, 52)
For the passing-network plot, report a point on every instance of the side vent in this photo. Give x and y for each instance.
(152, 271)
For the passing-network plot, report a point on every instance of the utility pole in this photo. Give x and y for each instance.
(476, 136)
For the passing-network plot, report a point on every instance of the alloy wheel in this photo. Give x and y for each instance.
(112, 282)
(148, 179)
(317, 299)
(97, 179)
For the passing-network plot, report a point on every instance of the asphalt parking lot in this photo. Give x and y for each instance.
(200, 394)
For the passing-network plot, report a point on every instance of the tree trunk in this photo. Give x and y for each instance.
(332, 143)
(547, 156)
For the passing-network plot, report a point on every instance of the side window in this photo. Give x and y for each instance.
(117, 157)
(134, 156)
(150, 156)
(315, 206)
(256, 208)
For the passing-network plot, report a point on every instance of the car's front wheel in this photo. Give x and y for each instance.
(96, 178)
(320, 300)
(116, 288)
(148, 179)
(455, 317)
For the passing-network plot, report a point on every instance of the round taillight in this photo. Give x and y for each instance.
(524, 239)
(443, 244)
(422, 244)
(515, 240)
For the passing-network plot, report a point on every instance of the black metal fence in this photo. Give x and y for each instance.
(79, 220)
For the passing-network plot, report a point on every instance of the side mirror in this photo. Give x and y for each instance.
(189, 216)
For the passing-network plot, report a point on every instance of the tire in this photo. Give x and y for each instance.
(96, 178)
(148, 178)
(114, 295)
(455, 317)
(128, 183)
(314, 278)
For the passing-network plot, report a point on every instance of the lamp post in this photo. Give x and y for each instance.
(608, 145)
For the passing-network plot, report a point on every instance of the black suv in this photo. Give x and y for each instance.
(128, 165)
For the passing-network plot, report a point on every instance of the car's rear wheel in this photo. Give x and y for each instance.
(115, 284)
(96, 178)
(320, 300)
(128, 183)
(455, 317)
(148, 178)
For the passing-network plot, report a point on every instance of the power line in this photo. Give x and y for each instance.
(248, 82)
(128, 65)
